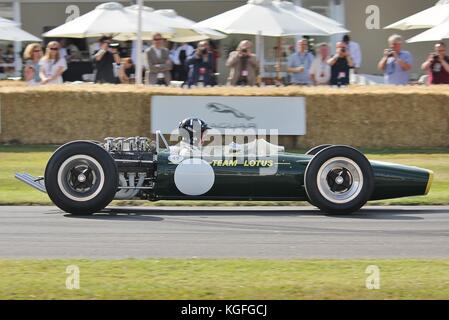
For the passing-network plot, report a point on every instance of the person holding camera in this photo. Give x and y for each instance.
(105, 58)
(355, 52)
(437, 65)
(243, 65)
(158, 62)
(200, 67)
(299, 64)
(396, 63)
(340, 63)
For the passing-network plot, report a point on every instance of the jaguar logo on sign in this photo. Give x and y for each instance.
(221, 108)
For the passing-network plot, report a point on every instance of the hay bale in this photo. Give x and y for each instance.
(362, 116)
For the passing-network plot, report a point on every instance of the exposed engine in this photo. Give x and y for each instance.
(136, 162)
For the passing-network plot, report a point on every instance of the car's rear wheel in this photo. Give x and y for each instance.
(81, 178)
(317, 149)
(339, 180)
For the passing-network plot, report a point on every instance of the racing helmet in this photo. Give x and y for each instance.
(194, 129)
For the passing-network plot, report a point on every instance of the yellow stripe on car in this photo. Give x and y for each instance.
(429, 182)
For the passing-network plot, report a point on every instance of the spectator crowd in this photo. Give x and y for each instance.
(197, 65)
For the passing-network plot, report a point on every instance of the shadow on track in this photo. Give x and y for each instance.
(154, 214)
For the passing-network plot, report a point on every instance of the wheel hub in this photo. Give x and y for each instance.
(340, 180)
(81, 177)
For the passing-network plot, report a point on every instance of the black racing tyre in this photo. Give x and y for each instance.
(81, 178)
(339, 180)
(317, 149)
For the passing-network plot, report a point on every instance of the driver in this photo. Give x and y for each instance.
(192, 131)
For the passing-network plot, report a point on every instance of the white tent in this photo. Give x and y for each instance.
(10, 31)
(185, 30)
(182, 28)
(428, 18)
(435, 34)
(106, 19)
(327, 25)
(266, 18)
(148, 15)
(13, 33)
(7, 23)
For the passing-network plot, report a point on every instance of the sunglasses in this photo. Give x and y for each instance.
(157, 39)
(54, 49)
(37, 50)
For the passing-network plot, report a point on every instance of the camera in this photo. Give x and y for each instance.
(390, 53)
(343, 50)
(436, 57)
(203, 51)
(245, 51)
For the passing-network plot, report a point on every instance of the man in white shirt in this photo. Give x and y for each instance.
(354, 51)
(320, 71)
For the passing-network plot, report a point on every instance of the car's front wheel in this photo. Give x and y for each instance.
(339, 180)
(81, 178)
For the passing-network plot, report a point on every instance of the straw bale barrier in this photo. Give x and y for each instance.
(377, 116)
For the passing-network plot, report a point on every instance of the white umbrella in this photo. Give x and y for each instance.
(13, 33)
(264, 17)
(108, 18)
(435, 34)
(428, 18)
(326, 25)
(10, 31)
(148, 15)
(7, 23)
(183, 29)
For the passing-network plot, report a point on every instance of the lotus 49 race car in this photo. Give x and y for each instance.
(83, 177)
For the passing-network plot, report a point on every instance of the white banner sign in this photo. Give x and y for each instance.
(285, 114)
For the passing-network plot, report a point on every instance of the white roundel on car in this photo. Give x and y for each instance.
(194, 177)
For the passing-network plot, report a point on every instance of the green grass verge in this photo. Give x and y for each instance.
(224, 279)
(32, 159)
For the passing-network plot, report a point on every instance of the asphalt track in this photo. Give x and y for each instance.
(262, 232)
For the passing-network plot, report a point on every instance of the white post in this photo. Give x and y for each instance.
(298, 36)
(260, 52)
(139, 43)
(337, 12)
(17, 44)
